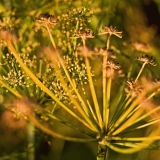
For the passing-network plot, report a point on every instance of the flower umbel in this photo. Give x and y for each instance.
(147, 59)
(134, 89)
(111, 31)
(46, 18)
(111, 66)
(99, 106)
(84, 34)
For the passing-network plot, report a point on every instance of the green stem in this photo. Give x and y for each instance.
(31, 141)
(106, 92)
(146, 141)
(89, 109)
(126, 113)
(148, 123)
(92, 112)
(70, 125)
(54, 107)
(136, 148)
(107, 107)
(147, 114)
(102, 153)
(119, 111)
(135, 139)
(93, 93)
(52, 133)
(104, 73)
(39, 76)
(128, 122)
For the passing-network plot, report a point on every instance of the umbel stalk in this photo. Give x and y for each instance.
(102, 153)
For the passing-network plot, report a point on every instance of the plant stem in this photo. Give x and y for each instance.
(107, 107)
(31, 139)
(140, 71)
(83, 105)
(146, 141)
(70, 125)
(102, 153)
(91, 84)
(108, 42)
(50, 35)
(52, 133)
(104, 73)
(93, 93)
(106, 89)
(119, 112)
(10, 89)
(135, 139)
(126, 113)
(128, 122)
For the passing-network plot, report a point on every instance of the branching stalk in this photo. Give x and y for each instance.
(41, 85)
(72, 84)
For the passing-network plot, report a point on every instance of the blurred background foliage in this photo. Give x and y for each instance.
(139, 20)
